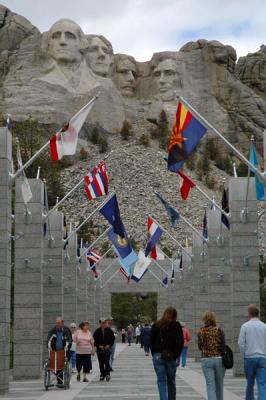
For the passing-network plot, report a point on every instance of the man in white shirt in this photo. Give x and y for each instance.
(252, 343)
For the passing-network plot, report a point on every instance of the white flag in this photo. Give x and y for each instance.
(64, 142)
(25, 186)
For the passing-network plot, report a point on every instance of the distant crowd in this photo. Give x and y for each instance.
(168, 340)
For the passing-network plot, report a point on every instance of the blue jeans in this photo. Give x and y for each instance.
(184, 356)
(112, 354)
(166, 372)
(146, 347)
(73, 358)
(214, 372)
(255, 368)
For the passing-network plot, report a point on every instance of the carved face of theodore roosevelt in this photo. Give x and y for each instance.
(167, 78)
(65, 41)
(125, 75)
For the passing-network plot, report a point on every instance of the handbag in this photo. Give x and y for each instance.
(227, 355)
(166, 354)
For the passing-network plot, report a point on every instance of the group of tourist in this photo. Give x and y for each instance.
(81, 345)
(168, 341)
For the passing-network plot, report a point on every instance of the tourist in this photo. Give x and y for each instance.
(130, 331)
(73, 328)
(112, 350)
(145, 338)
(210, 342)
(103, 340)
(187, 338)
(252, 343)
(59, 338)
(123, 335)
(137, 334)
(85, 348)
(166, 342)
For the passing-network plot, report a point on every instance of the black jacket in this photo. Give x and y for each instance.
(103, 339)
(172, 338)
(67, 338)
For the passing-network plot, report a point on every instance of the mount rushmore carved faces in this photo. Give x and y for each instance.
(168, 79)
(99, 55)
(125, 74)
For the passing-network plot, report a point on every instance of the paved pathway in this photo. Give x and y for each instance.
(133, 378)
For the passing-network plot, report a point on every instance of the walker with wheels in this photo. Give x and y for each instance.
(57, 370)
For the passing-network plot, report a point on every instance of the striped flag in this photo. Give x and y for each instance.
(97, 182)
(155, 234)
(93, 257)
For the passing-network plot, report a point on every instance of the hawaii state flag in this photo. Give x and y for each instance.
(186, 185)
(155, 234)
(186, 134)
(93, 257)
(64, 142)
(97, 182)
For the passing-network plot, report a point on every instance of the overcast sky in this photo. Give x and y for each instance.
(142, 27)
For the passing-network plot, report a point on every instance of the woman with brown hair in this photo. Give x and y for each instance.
(85, 348)
(210, 341)
(166, 343)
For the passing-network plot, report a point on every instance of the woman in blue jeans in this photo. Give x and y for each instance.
(210, 341)
(166, 343)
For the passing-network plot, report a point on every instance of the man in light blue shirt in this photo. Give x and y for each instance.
(252, 343)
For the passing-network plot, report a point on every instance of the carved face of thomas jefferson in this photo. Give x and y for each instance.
(99, 55)
(168, 78)
(64, 41)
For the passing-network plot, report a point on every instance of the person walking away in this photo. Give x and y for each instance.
(137, 334)
(123, 335)
(73, 328)
(85, 348)
(145, 334)
(252, 343)
(103, 340)
(166, 342)
(187, 339)
(112, 349)
(129, 334)
(60, 338)
(210, 343)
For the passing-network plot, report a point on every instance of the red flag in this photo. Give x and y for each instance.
(187, 184)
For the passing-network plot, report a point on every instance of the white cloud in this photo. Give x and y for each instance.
(142, 27)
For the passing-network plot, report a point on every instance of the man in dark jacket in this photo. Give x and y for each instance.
(59, 338)
(103, 340)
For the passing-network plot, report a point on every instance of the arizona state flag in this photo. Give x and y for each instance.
(186, 134)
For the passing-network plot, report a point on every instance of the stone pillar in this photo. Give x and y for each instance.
(5, 255)
(201, 286)
(28, 292)
(219, 273)
(82, 292)
(244, 254)
(70, 281)
(53, 275)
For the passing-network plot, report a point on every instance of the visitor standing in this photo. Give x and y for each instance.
(187, 339)
(137, 334)
(112, 349)
(85, 348)
(166, 344)
(210, 342)
(123, 335)
(145, 338)
(130, 331)
(252, 343)
(73, 328)
(103, 340)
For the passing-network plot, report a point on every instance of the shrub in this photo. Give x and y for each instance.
(126, 130)
(103, 144)
(83, 154)
(95, 135)
(210, 182)
(144, 140)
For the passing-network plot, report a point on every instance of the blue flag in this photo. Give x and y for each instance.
(225, 207)
(111, 212)
(259, 185)
(122, 245)
(155, 233)
(171, 211)
(205, 226)
(165, 281)
(128, 263)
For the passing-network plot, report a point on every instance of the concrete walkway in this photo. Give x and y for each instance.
(133, 378)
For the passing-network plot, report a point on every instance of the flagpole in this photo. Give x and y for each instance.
(156, 277)
(212, 201)
(234, 170)
(175, 240)
(111, 277)
(91, 245)
(43, 148)
(209, 125)
(80, 183)
(109, 266)
(88, 217)
(247, 191)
